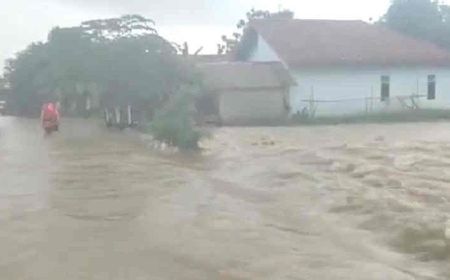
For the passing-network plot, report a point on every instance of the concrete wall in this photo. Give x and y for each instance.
(263, 52)
(353, 91)
(261, 107)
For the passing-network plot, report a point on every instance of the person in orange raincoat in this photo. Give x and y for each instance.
(50, 117)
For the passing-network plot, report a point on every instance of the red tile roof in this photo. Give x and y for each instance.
(328, 43)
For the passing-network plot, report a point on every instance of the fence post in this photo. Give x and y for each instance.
(371, 98)
(418, 86)
(312, 109)
(130, 119)
(367, 104)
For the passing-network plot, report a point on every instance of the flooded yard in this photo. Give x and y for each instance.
(326, 202)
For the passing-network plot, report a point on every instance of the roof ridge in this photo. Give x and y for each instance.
(310, 20)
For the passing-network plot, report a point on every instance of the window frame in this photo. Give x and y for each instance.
(385, 88)
(431, 87)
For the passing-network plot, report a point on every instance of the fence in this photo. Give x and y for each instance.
(365, 105)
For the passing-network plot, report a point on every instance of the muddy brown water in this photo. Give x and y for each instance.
(332, 202)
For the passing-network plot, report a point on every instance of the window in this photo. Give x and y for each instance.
(431, 87)
(385, 87)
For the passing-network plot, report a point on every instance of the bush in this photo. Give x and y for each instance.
(173, 124)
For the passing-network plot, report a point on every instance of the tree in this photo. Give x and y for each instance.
(423, 19)
(173, 124)
(3, 89)
(27, 76)
(125, 57)
(115, 28)
(229, 44)
(139, 70)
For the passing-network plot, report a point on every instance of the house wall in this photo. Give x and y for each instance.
(358, 90)
(263, 52)
(353, 91)
(259, 106)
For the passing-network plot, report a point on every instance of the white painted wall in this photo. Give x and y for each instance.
(264, 53)
(351, 87)
(260, 106)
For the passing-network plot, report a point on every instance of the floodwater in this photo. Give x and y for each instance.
(331, 202)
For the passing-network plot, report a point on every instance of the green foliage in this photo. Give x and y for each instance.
(3, 89)
(174, 125)
(423, 19)
(127, 26)
(27, 75)
(139, 69)
(124, 57)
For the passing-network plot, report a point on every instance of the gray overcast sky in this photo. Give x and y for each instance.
(200, 22)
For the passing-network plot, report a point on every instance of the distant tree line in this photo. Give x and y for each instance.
(3, 89)
(424, 19)
(123, 59)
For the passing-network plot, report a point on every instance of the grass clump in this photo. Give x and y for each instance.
(174, 124)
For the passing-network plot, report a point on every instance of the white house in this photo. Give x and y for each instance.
(351, 67)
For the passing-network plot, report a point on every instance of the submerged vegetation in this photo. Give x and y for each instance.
(174, 123)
